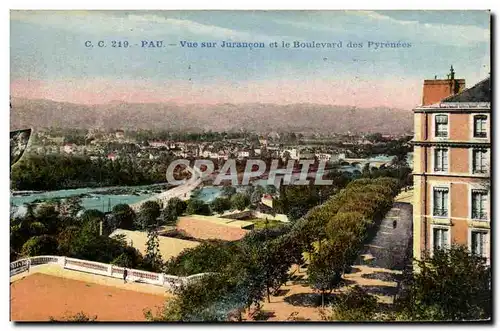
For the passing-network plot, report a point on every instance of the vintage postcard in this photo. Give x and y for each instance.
(242, 166)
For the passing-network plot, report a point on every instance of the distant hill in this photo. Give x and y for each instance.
(196, 117)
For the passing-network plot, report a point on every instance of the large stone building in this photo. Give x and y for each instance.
(452, 166)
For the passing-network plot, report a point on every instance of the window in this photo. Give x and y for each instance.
(480, 126)
(441, 159)
(441, 125)
(440, 238)
(440, 202)
(478, 242)
(479, 161)
(479, 202)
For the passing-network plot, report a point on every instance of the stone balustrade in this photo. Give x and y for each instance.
(170, 282)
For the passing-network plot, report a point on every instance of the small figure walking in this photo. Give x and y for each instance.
(125, 273)
(394, 224)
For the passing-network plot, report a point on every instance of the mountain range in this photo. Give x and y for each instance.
(256, 117)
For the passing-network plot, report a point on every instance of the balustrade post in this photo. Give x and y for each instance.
(110, 270)
(62, 261)
(161, 279)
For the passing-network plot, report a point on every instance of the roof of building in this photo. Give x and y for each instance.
(481, 92)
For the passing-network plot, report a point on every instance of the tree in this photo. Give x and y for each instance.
(271, 189)
(450, 285)
(354, 305)
(255, 197)
(40, 245)
(174, 208)
(228, 191)
(209, 299)
(71, 206)
(178, 205)
(240, 201)
(66, 237)
(123, 217)
(130, 258)
(249, 190)
(325, 269)
(196, 206)
(209, 256)
(264, 262)
(169, 216)
(153, 257)
(48, 215)
(220, 205)
(92, 220)
(148, 215)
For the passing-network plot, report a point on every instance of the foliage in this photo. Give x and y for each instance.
(78, 317)
(355, 305)
(91, 220)
(228, 191)
(198, 207)
(240, 201)
(55, 171)
(271, 189)
(325, 269)
(71, 206)
(153, 258)
(220, 205)
(209, 256)
(177, 205)
(266, 223)
(256, 266)
(450, 285)
(255, 197)
(122, 217)
(210, 299)
(148, 215)
(40, 245)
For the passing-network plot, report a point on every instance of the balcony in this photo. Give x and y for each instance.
(479, 215)
(440, 212)
(480, 134)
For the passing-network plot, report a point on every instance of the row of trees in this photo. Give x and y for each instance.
(341, 226)
(54, 171)
(295, 201)
(249, 271)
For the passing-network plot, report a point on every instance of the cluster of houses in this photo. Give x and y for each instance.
(268, 146)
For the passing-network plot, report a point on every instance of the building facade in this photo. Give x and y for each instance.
(452, 145)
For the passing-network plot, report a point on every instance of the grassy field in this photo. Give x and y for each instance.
(261, 223)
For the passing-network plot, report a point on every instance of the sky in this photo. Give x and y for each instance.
(49, 58)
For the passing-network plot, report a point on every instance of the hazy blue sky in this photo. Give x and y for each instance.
(49, 58)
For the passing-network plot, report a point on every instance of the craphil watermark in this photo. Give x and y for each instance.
(295, 173)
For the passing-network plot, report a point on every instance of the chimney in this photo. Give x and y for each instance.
(436, 90)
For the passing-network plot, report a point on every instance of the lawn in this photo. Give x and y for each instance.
(261, 223)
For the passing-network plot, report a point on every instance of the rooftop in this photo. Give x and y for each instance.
(481, 92)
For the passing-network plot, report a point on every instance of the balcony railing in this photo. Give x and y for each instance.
(440, 212)
(479, 215)
(482, 170)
